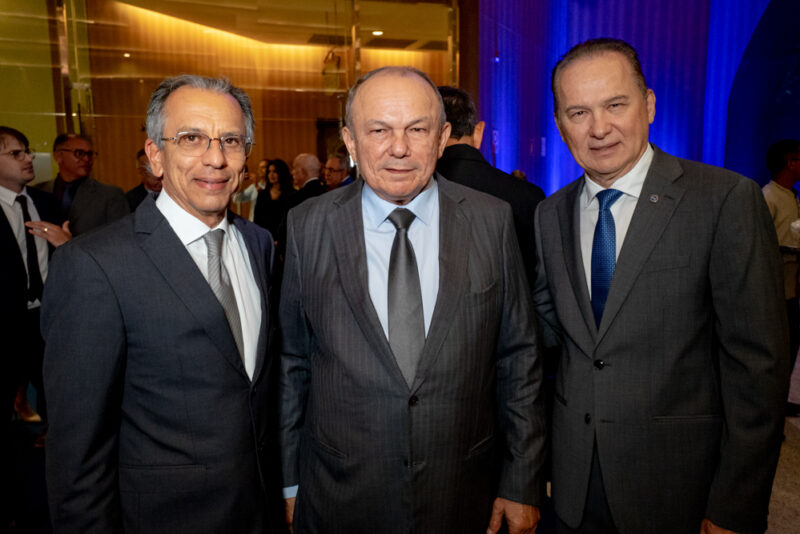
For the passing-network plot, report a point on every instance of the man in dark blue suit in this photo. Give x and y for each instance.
(157, 329)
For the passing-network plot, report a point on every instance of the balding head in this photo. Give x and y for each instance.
(305, 167)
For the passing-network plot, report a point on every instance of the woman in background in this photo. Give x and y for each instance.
(271, 204)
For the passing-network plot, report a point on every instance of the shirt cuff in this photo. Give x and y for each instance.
(290, 492)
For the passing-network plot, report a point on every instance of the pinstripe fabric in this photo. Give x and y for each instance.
(682, 382)
(370, 454)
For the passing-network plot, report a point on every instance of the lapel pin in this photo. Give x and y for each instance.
(653, 198)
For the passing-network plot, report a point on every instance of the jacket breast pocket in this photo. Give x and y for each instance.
(481, 297)
(665, 262)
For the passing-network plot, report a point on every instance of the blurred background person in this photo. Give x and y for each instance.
(336, 171)
(84, 202)
(245, 198)
(151, 184)
(783, 162)
(26, 239)
(270, 207)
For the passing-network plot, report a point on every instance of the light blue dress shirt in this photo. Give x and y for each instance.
(379, 235)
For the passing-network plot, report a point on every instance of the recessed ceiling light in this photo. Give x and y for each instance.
(377, 33)
(126, 54)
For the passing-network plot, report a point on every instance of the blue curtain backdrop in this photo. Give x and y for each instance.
(690, 52)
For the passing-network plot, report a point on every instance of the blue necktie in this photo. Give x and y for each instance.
(604, 252)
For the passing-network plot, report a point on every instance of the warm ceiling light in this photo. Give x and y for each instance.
(377, 33)
(126, 54)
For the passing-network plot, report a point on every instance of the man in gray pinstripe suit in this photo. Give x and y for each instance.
(452, 441)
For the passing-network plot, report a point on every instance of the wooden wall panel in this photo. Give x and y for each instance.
(285, 82)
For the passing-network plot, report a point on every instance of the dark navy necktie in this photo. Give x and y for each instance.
(604, 251)
(406, 322)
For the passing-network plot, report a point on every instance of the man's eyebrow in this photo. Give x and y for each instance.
(192, 129)
(613, 99)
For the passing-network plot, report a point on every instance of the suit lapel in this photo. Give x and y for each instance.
(171, 258)
(454, 242)
(10, 248)
(570, 228)
(259, 268)
(351, 261)
(657, 202)
(83, 193)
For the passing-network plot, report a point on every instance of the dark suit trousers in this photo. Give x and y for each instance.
(29, 351)
(596, 514)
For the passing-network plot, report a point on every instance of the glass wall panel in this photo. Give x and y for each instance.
(89, 66)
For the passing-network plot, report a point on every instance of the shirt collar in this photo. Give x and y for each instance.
(9, 197)
(630, 183)
(376, 210)
(188, 227)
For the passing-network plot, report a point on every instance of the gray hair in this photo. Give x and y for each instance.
(309, 162)
(397, 70)
(155, 110)
(594, 48)
(344, 159)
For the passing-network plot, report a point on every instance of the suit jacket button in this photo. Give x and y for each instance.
(599, 364)
(413, 400)
(587, 418)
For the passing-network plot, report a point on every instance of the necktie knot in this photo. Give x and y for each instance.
(214, 241)
(607, 197)
(402, 218)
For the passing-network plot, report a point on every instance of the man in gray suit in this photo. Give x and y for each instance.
(409, 377)
(84, 202)
(157, 330)
(660, 279)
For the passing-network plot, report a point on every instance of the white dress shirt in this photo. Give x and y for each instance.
(631, 186)
(379, 235)
(13, 212)
(190, 231)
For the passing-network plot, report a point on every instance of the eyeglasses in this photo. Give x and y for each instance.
(78, 153)
(331, 169)
(19, 155)
(197, 144)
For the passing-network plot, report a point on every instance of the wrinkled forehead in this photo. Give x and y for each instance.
(390, 83)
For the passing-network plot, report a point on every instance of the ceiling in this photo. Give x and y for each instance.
(406, 24)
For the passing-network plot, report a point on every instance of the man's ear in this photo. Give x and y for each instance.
(444, 136)
(154, 155)
(349, 142)
(477, 135)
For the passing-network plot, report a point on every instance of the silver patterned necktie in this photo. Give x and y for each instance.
(406, 321)
(221, 285)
